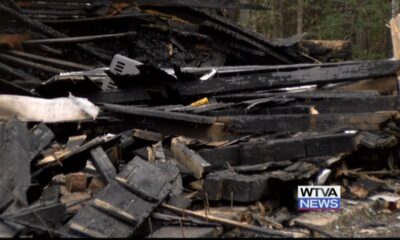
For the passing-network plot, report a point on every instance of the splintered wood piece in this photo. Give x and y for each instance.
(85, 231)
(114, 211)
(124, 183)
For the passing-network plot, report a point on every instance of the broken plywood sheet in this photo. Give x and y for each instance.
(47, 110)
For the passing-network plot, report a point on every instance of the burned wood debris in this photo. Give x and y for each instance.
(163, 118)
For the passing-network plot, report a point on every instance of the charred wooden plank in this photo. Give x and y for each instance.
(279, 150)
(351, 105)
(376, 140)
(15, 163)
(188, 158)
(297, 109)
(7, 87)
(298, 123)
(144, 112)
(66, 153)
(230, 185)
(19, 73)
(315, 75)
(308, 95)
(40, 216)
(177, 124)
(51, 60)
(39, 137)
(220, 157)
(147, 135)
(103, 164)
(150, 179)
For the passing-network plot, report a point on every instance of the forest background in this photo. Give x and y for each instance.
(363, 22)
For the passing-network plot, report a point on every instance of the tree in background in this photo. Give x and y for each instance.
(363, 22)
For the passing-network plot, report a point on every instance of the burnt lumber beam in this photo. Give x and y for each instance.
(296, 109)
(322, 106)
(239, 187)
(308, 95)
(301, 122)
(316, 75)
(51, 60)
(152, 113)
(381, 103)
(279, 150)
(177, 124)
(48, 31)
(117, 210)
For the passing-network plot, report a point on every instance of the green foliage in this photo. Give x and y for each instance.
(361, 21)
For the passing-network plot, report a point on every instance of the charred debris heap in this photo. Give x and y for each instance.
(163, 118)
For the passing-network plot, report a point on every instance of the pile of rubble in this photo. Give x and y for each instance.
(196, 128)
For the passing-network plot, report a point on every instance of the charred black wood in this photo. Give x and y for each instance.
(51, 60)
(42, 216)
(188, 158)
(278, 150)
(300, 122)
(48, 31)
(230, 185)
(18, 73)
(314, 75)
(298, 109)
(377, 141)
(147, 135)
(351, 105)
(7, 87)
(307, 95)
(39, 137)
(15, 164)
(281, 55)
(150, 113)
(103, 164)
(24, 62)
(90, 221)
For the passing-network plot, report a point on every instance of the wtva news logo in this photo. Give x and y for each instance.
(318, 198)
